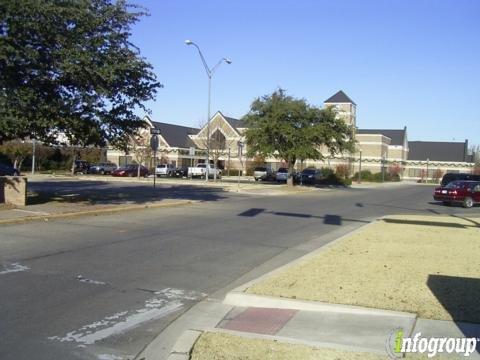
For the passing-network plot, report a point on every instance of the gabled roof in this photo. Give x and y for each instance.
(438, 151)
(397, 136)
(235, 123)
(339, 97)
(176, 135)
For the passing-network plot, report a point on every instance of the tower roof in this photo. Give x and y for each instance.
(340, 97)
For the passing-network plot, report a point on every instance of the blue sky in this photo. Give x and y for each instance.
(405, 63)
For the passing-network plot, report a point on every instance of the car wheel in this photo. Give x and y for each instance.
(130, 174)
(102, 172)
(467, 202)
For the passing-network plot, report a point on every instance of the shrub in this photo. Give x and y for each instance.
(395, 170)
(334, 179)
(365, 175)
(231, 172)
(342, 171)
(326, 172)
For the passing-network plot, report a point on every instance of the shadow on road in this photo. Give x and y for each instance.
(327, 219)
(103, 193)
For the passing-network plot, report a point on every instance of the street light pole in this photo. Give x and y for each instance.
(210, 72)
(360, 168)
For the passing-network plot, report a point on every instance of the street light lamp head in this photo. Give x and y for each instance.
(188, 42)
(228, 61)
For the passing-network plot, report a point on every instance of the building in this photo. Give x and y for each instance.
(377, 149)
(430, 159)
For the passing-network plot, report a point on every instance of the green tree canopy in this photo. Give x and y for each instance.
(286, 128)
(68, 67)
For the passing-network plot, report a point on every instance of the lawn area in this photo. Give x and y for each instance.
(428, 265)
(221, 346)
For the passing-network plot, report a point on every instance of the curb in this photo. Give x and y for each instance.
(239, 297)
(103, 211)
(295, 341)
(184, 345)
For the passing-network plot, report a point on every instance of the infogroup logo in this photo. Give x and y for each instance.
(397, 345)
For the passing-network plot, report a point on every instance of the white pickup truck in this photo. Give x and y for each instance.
(201, 169)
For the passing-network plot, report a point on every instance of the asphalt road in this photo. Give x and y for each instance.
(88, 288)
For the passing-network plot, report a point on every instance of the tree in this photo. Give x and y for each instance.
(16, 151)
(290, 129)
(140, 146)
(68, 68)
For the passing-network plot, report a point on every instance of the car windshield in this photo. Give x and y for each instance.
(283, 170)
(260, 169)
(308, 171)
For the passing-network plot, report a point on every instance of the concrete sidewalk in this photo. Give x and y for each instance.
(356, 332)
(44, 212)
(351, 332)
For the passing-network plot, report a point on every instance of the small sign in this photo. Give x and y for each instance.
(154, 142)
(154, 131)
(191, 151)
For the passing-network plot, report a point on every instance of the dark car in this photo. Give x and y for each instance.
(449, 177)
(130, 171)
(309, 176)
(81, 166)
(6, 170)
(180, 172)
(462, 192)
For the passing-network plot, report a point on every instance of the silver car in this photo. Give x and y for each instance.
(263, 173)
(102, 168)
(282, 175)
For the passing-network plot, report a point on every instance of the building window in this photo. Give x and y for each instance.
(217, 140)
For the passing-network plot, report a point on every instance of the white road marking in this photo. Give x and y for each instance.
(165, 302)
(88, 281)
(12, 268)
(109, 357)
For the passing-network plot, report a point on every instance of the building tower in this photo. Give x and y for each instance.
(345, 106)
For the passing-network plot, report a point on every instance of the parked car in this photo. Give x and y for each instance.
(81, 166)
(180, 172)
(449, 177)
(130, 171)
(462, 192)
(282, 175)
(6, 170)
(263, 173)
(102, 168)
(164, 170)
(201, 170)
(309, 176)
